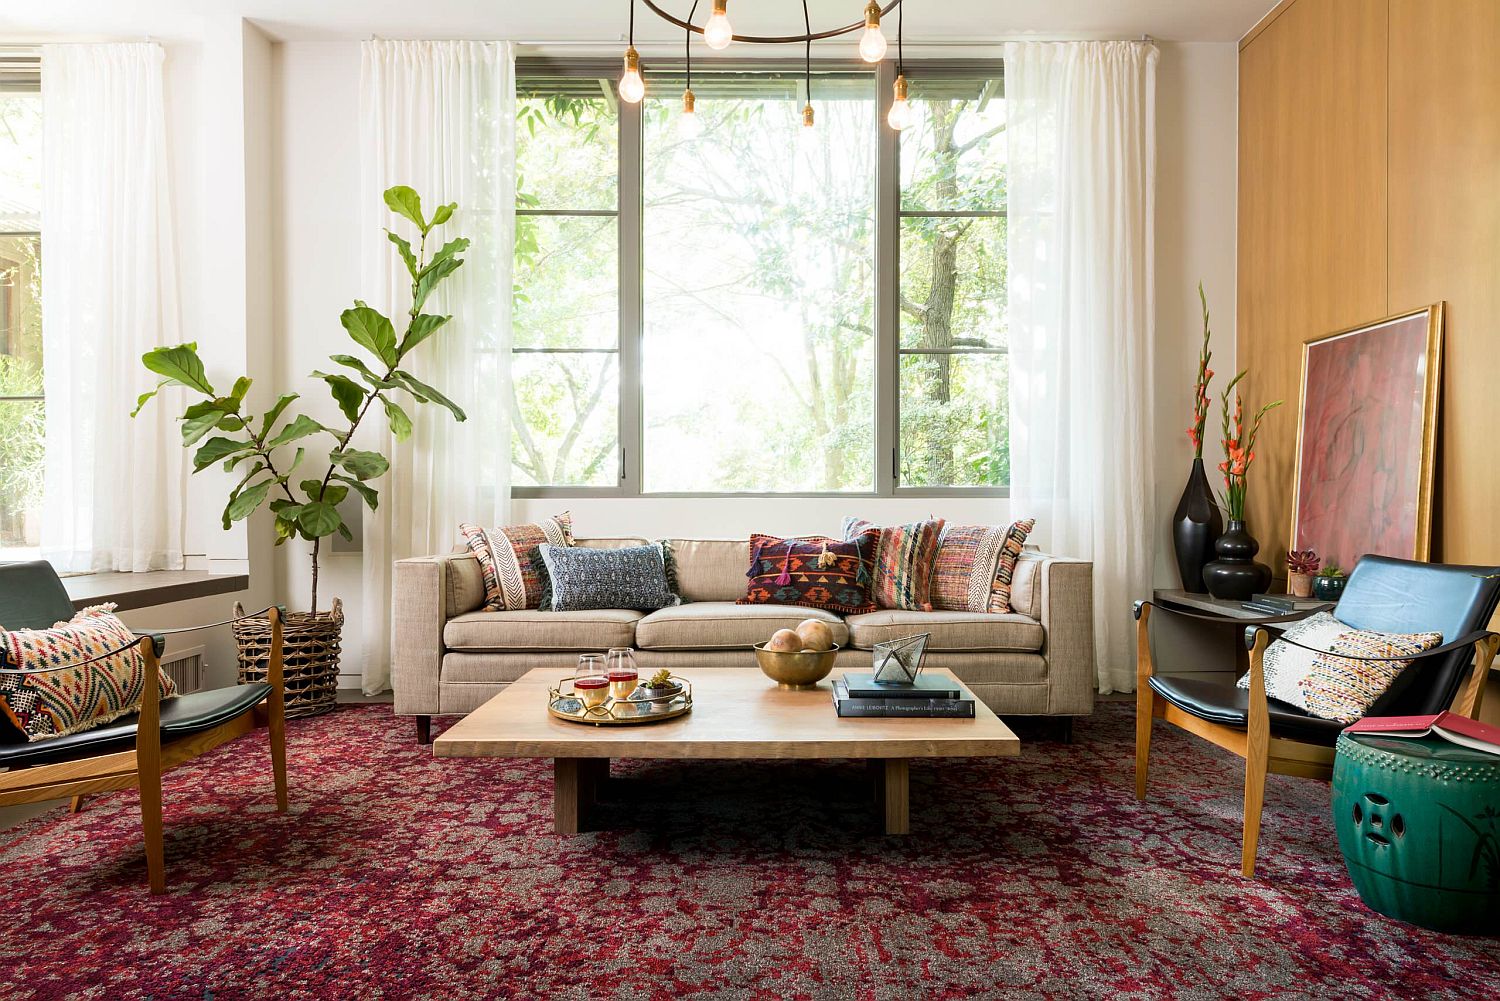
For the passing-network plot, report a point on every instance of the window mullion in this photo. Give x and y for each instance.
(887, 288)
(630, 208)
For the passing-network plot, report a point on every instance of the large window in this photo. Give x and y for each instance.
(760, 308)
(21, 407)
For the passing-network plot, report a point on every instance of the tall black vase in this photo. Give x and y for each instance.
(1195, 526)
(1235, 575)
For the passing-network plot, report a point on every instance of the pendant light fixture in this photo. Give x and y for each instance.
(632, 85)
(689, 125)
(900, 116)
(718, 32)
(872, 43)
(807, 109)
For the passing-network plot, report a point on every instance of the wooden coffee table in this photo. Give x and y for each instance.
(737, 713)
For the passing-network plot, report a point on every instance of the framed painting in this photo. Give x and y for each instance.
(1367, 439)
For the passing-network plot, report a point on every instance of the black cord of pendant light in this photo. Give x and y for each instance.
(900, 34)
(632, 24)
(807, 21)
(687, 47)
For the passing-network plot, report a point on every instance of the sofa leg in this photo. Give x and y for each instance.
(424, 729)
(1065, 729)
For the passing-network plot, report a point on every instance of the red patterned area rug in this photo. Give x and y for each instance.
(399, 876)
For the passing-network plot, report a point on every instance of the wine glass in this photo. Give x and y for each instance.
(590, 682)
(620, 669)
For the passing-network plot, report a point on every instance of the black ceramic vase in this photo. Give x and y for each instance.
(1235, 575)
(1195, 526)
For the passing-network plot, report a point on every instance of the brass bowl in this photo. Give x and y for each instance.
(803, 669)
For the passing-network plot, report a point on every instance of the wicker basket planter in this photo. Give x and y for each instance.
(310, 656)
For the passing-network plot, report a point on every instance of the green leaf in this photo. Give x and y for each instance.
(319, 519)
(442, 214)
(244, 502)
(403, 245)
(180, 365)
(403, 201)
(450, 249)
(422, 327)
(218, 448)
(400, 420)
(371, 331)
(301, 427)
(344, 531)
(372, 498)
(274, 414)
(281, 506)
(349, 393)
(241, 387)
(199, 419)
(431, 276)
(296, 459)
(364, 370)
(144, 398)
(361, 465)
(286, 528)
(422, 391)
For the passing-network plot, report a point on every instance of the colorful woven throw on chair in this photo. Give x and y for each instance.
(57, 703)
(903, 564)
(814, 572)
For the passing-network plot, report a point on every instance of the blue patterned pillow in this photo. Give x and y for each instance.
(579, 579)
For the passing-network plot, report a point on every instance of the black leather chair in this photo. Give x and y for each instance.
(1388, 595)
(134, 750)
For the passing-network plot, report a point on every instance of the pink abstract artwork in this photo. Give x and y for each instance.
(1361, 487)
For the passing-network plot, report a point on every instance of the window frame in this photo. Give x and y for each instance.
(887, 256)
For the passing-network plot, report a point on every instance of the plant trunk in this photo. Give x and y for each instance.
(316, 544)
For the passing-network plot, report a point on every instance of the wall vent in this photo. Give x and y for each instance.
(185, 668)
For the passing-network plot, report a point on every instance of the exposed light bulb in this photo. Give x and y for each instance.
(807, 115)
(632, 87)
(689, 125)
(872, 41)
(718, 32)
(900, 116)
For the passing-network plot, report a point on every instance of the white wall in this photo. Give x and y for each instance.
(317, 178)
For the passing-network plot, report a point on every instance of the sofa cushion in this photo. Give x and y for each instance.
(903, 562)
(577, 579)
(531, 629)
(950, 630)
(813, 572)
(719, 625)
(504, 556)
(711, 569)
(1010, 552)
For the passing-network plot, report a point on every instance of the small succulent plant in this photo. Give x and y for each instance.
(1302, 561)
(661, 679)
(1332, 570)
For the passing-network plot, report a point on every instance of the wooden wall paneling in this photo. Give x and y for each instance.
(1312, 233)
(1445, 241)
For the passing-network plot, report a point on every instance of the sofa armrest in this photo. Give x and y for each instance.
(1065, 602)
(428, 591)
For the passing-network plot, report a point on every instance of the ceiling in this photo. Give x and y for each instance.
(604, 20)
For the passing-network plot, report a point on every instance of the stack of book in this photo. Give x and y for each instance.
(929, 695)
(1281, 604)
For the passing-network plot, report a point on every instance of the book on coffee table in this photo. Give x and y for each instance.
(846, 705)
(863, 685)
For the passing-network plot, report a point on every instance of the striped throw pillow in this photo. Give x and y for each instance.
(1005, 567)
(903, 562)
(504, 554)
(963, 572)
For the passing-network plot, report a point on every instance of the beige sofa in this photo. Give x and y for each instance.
(450, 657)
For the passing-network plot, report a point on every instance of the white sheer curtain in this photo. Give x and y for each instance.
(113, 486)
(440, 117)
(1082, 162)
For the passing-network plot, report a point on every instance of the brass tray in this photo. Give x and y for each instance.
(564, 703)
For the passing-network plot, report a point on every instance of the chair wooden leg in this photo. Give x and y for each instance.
(1257, 754)
(76, 806)
(276, 712)
(1145, 698)
(148, 770)
(1255, 795)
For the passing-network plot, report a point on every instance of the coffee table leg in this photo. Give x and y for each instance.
(567, 795)
(897, 796)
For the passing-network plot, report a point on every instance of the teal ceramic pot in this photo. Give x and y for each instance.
(1329, 588)
(1418, 823)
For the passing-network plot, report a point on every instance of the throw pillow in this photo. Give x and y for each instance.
(505, 565)
(580, 579)
(1005, 566)
(73, 699)
(814, 572)
(1321, 682)
(903, 562)
(963, 572)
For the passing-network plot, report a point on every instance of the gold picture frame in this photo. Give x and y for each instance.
(1371, 356)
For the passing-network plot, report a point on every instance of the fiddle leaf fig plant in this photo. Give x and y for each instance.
(257, 448)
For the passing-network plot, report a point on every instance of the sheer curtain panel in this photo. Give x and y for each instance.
(113, 486)
(1082, 146)
(440, 117)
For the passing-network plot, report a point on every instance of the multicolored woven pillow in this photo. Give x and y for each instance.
(814, 572)
(963, 572)
(903, 563)
(74, 699)
(504, 555)
(1330, 686)
(1005, 567)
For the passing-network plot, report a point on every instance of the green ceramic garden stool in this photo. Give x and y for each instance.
(1419, 826)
